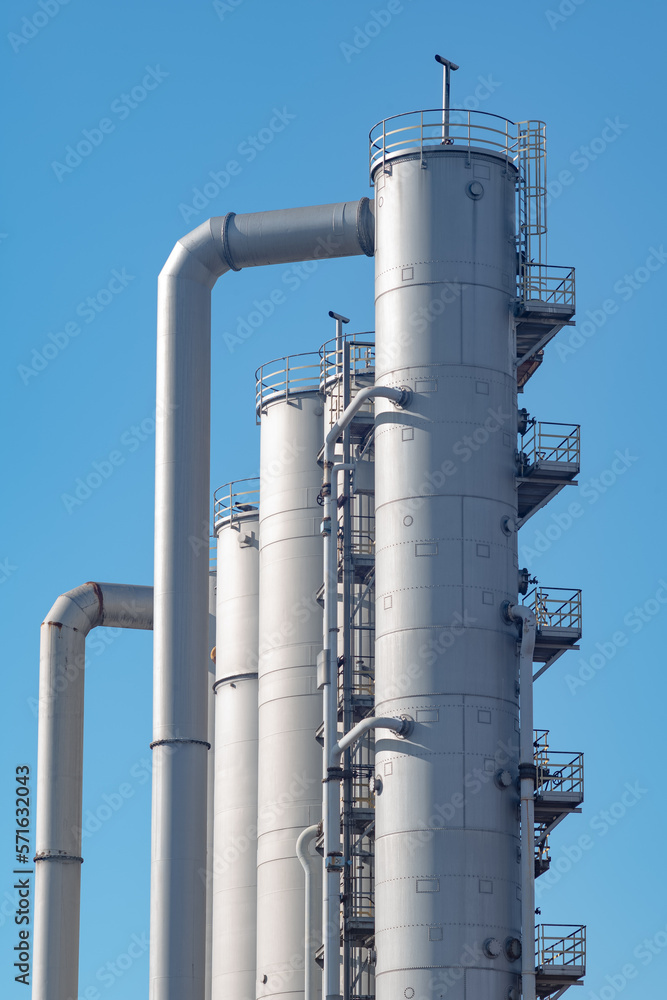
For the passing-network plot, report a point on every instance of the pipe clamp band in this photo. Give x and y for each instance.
(175, 739)
(57, 857)
(365, 237)
(226, 252)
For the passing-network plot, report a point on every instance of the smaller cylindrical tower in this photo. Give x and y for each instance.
(289, 408)
(236, 516)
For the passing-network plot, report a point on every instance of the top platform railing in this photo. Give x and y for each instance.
(285, 377)
(418, 130)
(236, 500)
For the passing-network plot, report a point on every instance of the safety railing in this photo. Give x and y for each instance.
(545, 441)
(550, 283)
(557, 770)
(235, 500)
(417, 130)
(339, 385)
(542, 851)
(285, 377)
(556, 608)
(559, 946)
(361, 353)
(362, 534)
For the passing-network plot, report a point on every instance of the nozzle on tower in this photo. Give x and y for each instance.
(447, 67)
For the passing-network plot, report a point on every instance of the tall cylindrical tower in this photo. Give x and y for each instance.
(290, 637)
(447, 830)
(235, 829)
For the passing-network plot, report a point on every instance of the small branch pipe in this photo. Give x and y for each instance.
(330, 795)
(60, 772)
(527, 780)
(402, 728)
(304, 840)
(178, 903)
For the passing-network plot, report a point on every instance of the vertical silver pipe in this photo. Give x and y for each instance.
(178, 852)
(330, 781)
(235, 840)
(303, 854)
(527, 776)
(290, 708)
(180, 711)
(55, 969)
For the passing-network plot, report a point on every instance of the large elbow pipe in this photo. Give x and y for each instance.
(180, 744)
(60, 772)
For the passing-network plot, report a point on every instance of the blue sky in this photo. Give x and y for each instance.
(169, 94)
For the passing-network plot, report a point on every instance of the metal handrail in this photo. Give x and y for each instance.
(560, 949)
(552, 283)
(546, 441)
(282, 377)
(555, 611)
(362, 357)
(478, 128)
(559, 771)
(231, 502)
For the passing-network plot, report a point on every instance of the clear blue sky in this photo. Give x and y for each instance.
(218, 72)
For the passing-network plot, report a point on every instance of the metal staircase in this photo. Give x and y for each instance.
(559, 792)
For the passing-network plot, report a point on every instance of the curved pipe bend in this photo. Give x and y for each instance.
(60, 772)
(182, 457)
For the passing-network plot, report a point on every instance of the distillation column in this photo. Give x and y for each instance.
(290, 705)
(235, 827)
(447, 891)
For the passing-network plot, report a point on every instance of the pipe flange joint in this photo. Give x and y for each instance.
(528, 771)
(58, 857)
(178, 739)
(334, 774)
(506, 612)
(406, 396)
(364, 234)
(513, 948)
(226, 252)
(408, 724)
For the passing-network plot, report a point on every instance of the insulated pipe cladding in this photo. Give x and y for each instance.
(290, 706)
(55, 970)
(234, 866)
(445, 272)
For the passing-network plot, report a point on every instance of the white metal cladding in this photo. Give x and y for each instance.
(447, 837)
(235, 831)
(210, 782)
(290, 705)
